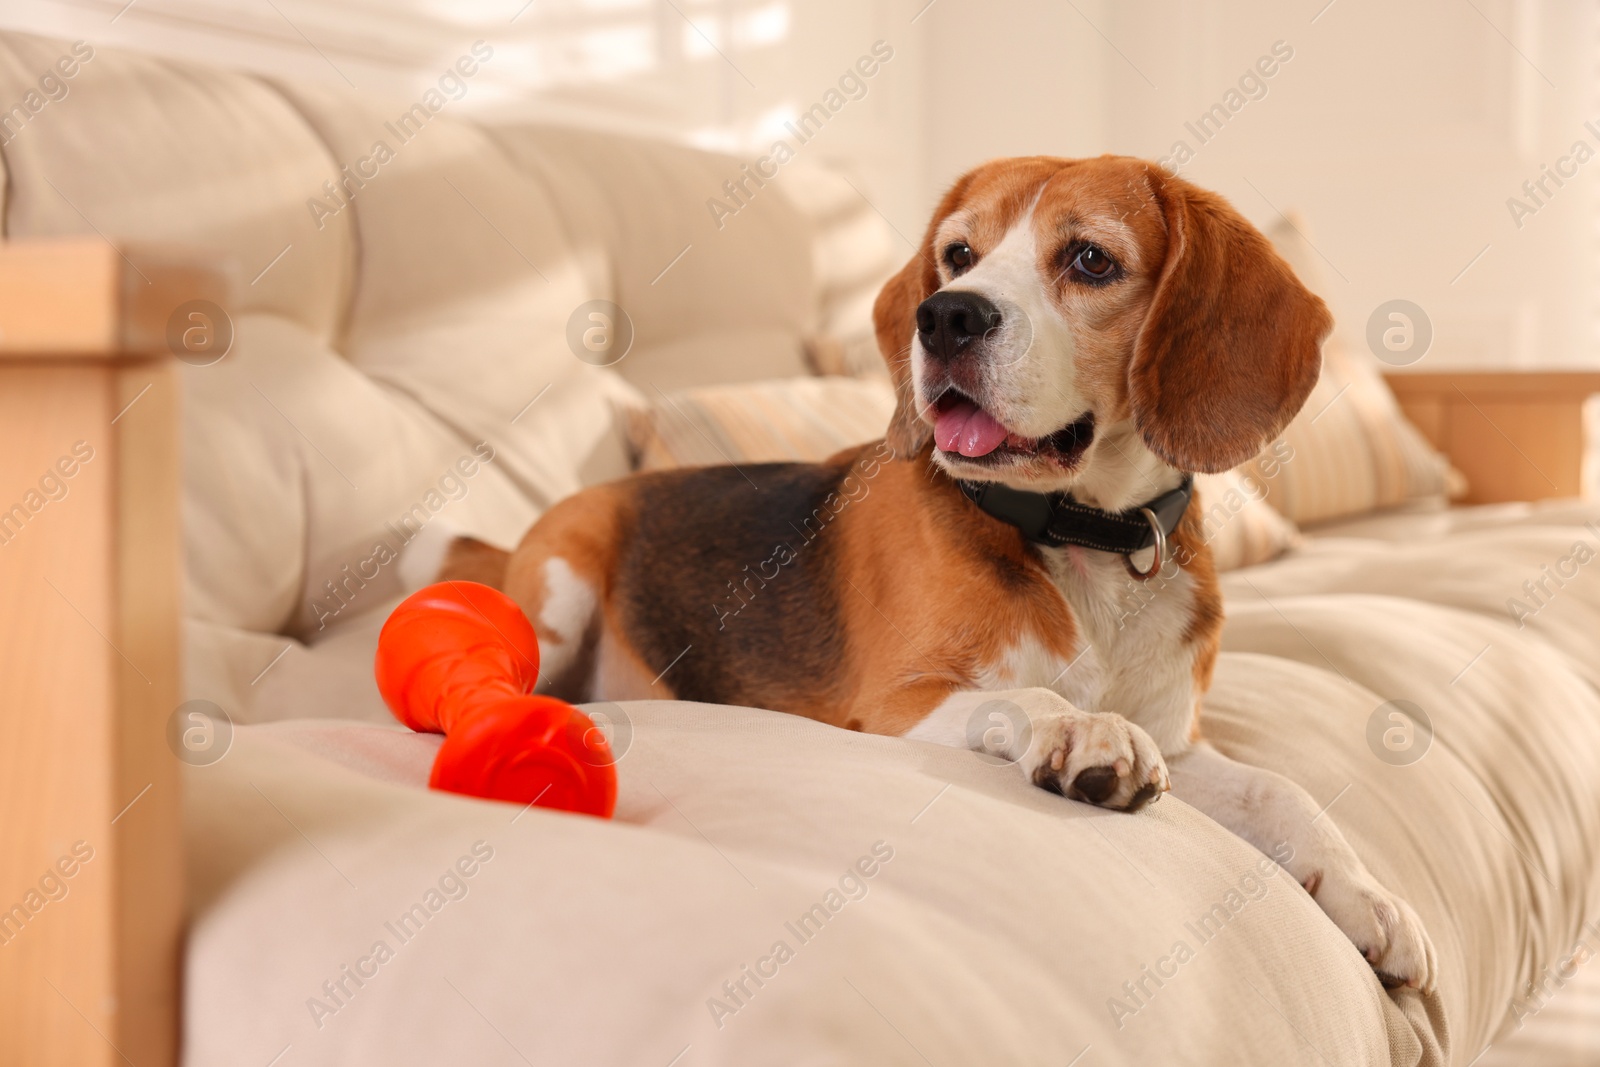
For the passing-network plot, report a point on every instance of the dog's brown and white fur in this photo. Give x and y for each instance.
(876, 597)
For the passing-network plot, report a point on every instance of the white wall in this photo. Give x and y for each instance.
(1398, 129)
(1011, 77)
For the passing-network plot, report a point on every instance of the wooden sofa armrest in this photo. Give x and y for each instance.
(1516, 435)
(91, 878)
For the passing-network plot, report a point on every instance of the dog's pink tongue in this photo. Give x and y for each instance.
(968, 429)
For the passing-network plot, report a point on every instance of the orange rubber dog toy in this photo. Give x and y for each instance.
(461, 659)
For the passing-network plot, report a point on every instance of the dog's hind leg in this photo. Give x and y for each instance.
(568, 626)
(561, 601)
(1281, 819)
(559, 576)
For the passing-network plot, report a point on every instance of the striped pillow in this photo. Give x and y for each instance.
(1350, 450)
(1238, 523)
(809, 419)
(788, 420)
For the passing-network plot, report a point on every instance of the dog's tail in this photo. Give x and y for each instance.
(440, 553)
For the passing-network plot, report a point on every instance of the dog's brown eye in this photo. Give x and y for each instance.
(1093, 264)
(958, 256)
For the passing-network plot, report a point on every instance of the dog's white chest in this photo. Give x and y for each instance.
(1028, 663)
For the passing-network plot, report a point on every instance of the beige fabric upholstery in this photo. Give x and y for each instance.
(1556, 1022)
(1351, 450)
(802, 420)
(395, 332)
(602, 943)
(1468, 663)
(288, 492)
(1027, 910)
(466, 285)
(736, 306)
(264, 677)
(447, 281)
(854, 252)
(1427, 520)
(1238, 523)
(167, 153)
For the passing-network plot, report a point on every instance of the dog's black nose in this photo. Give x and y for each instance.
(949, 322)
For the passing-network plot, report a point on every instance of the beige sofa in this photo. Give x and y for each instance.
(378, 344)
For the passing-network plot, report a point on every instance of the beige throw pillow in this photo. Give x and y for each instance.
(1238, 523)
(786, 420)
(809, 419)
(1350, 450)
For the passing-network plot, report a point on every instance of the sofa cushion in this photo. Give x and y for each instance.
(1238, 524)
(801, 420)
(854, 251)
(466, 286)
(708, 303)
(144, 150)
(298, 467)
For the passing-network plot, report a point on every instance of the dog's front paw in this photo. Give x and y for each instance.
(1383, 927)
(1096, 757)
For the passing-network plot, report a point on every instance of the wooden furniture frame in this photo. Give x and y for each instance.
(1516, 435)
(91, 872)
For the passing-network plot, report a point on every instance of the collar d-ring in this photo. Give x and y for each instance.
(1160, 547)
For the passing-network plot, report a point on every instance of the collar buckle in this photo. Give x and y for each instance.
(1160, 547)
(1055, 519)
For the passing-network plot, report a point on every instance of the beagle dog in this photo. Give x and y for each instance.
(1072, 339)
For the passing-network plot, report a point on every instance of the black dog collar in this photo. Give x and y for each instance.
(1056, 519)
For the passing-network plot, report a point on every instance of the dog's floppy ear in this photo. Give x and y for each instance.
(1231, 345)
(894, 316)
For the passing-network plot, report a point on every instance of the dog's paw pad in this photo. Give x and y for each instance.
(1096, 784)
(1098, 758)
(1385, 930)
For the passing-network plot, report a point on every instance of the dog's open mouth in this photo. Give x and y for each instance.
(965, 429)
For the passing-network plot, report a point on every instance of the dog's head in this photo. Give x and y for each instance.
(1058, 307)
